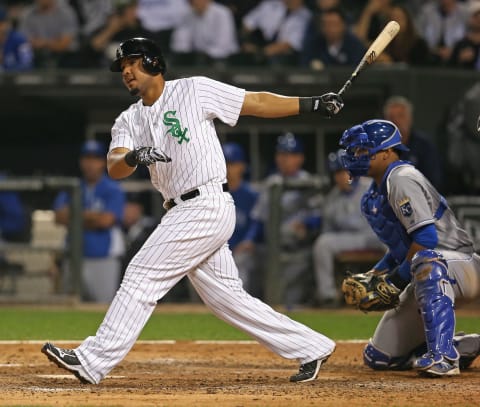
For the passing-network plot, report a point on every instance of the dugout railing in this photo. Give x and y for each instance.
(22, 258)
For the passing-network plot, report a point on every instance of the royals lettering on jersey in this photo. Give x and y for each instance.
(180, 123)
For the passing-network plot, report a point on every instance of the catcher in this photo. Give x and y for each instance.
(430, 260)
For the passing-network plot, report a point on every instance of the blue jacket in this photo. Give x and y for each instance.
(105, 196)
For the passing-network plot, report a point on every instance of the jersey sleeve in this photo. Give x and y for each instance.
(120, 133)
(219, 100)
(409, 200)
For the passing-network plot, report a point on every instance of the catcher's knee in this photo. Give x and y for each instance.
(378, 360)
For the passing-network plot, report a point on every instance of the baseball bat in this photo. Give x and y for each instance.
(378, 45)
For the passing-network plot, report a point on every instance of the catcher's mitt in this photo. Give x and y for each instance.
(370, 292)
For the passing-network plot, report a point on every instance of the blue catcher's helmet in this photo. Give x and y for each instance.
(373, 136)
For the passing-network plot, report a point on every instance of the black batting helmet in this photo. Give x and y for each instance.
(152, 57)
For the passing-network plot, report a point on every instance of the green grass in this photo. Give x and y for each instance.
(31, 324)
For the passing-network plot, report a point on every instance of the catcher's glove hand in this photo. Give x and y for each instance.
(370, 291)
(145, 156)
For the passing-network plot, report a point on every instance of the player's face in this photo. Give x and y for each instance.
(92, 167)
(134, 76)
(289, 164)
(343, 180)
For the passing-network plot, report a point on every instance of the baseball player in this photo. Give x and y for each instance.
(103, 202)
(343, 228)
(244, 197)
(294, 234)
(171, 130)
(430, 258)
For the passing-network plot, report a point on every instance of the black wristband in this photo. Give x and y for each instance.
(309, 104)
(131, 159)
(305, 105)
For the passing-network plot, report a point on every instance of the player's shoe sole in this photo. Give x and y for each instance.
(441, 369)
(66, 359)
(309, 371)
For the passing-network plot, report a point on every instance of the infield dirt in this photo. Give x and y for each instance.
(224, 374)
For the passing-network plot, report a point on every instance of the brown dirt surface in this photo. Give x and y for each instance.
(223, 374)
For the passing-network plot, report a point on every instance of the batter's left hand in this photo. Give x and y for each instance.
(330, 104)
(146, 156)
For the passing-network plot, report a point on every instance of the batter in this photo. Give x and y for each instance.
(171, 130)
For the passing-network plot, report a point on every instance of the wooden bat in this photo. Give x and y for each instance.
(383, 39)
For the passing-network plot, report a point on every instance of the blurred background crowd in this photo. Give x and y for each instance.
(319, 226)
(313, 33)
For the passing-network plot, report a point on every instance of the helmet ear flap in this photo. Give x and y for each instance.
(153, 65)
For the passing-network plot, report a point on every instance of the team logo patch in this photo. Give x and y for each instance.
(405, 207)
(175, 130)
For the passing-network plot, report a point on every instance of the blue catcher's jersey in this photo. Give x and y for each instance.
(406, 201)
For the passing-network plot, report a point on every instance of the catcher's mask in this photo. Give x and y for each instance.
(372, 136)
(151, 54)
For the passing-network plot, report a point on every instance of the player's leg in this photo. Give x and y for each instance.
(398, 334)
(187, 235)
(435, 299)
(101, 278)
(217, 283)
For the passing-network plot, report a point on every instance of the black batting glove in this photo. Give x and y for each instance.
(146, 156)
(328, 104)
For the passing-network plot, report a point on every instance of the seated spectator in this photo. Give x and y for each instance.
(343, 227)
(160, 18)
(92, 14)
(373, 18)
(15, 51)
(245, 198)
(52, 29)
(320, 6)
(466, 52)
(206, 34)
(408, 46)
(103, 242)
(272, 32)
(442, 23)
(295, 234)
(239, 9)
(422, 151)
(121, 25)
(329, 42)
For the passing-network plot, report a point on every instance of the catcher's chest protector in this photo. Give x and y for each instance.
(382, 219)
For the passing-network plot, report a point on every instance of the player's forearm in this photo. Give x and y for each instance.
(269, 105)
(116, 165)
(98, 220)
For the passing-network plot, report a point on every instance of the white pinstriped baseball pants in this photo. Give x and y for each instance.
(191, 240)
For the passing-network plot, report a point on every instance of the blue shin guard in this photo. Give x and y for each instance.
(434, 295)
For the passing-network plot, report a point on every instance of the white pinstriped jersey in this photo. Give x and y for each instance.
(180, 123)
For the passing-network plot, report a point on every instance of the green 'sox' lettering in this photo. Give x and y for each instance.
(175, 130)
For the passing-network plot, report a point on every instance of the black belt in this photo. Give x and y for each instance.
(189, 195)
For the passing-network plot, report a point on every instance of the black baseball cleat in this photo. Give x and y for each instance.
(66, 359)
(308, 371)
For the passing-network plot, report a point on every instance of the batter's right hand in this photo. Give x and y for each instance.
(146, 156)
(331, 104)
